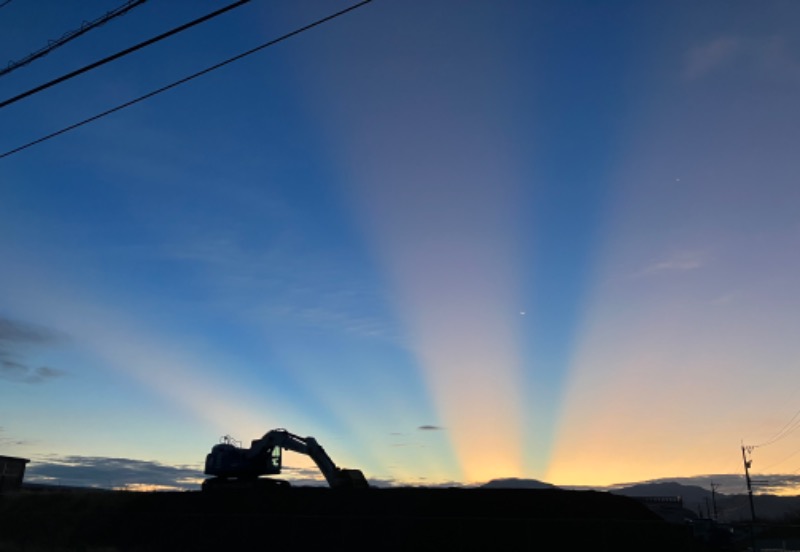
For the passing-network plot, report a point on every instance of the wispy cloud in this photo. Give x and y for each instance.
(298, 476)
(730, 483)
(778, 484)
(308, 288)
(727, 298)
(682, 261)
(12, 370)
(12, 331)
(430, 428)
(15, 337)
(340, 320)
(312, 477)
(704, 58)
(769, 56)
(11, 441)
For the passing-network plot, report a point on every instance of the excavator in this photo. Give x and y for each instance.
(234, 467)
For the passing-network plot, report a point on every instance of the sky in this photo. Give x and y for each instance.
(453, 241)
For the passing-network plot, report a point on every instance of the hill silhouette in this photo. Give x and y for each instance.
(363, 519)
(517, 483)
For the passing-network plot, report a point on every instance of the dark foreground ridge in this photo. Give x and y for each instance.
(374, 519)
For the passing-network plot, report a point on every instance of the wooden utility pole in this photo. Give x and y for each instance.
(747, 464)
(714, 499)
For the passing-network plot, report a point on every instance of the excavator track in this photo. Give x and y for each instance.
(226, 485)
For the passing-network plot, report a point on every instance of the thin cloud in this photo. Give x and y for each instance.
(705, 58)
(430, 428)
(778, 483)
(727, 298)
(15, 332)
(15, 337)
(301, 288)
(10, 441)
(725, 483)
(769, 57)
(339, 304)
(12, 370)
(310, 477)
(303, 477)
(46, 372)
(327, 318)
(680, 262)
(112, 473)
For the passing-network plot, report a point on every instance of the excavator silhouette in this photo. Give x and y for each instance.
(234, 467)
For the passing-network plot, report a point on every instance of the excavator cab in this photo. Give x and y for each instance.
(275, 459)
(227, 459)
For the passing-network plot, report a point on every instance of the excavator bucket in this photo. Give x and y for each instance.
(352, 479)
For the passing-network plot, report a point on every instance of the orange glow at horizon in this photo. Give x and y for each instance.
(471, 371)
(667, 386)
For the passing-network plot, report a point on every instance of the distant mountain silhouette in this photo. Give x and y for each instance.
(696, 499)
(690, 493)
(516, 483)
(734, 507)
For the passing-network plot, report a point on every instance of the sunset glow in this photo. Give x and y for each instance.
(453, 243)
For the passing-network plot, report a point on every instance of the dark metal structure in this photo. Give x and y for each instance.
(12, 472)
(234, 466)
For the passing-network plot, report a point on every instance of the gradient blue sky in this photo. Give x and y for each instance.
(453, 241)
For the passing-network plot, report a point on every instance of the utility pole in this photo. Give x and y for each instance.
(747, 464)
(714, 499)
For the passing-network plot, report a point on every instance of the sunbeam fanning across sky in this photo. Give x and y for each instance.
(695, 298)
(454, 241)
(454, 274)
(438, 193)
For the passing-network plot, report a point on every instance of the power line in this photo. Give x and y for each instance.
(785, 458)
(70, 35)
(4, 4)
(120, 54)
(186, 79)
(788, 428)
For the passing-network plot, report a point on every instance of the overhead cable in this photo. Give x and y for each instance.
(85, 27)
(186, 79)
(784, 459)
(788, 428)
(120, 54)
